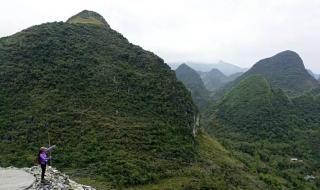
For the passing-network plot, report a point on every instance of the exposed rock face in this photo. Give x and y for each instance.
(54, 180)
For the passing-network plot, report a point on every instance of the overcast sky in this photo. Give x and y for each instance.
(236, 31)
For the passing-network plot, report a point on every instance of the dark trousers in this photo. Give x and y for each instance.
(43, 171)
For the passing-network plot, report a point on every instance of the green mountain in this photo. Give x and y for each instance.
(251, 107)
(285, 70)
(265, 129)
(191, 79)
(215, 79)
(116, 111)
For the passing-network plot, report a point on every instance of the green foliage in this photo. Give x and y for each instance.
(214, 169)
(116, 111)
(264, 129)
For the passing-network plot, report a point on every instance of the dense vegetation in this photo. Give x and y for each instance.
(265, 129)
(116, 111)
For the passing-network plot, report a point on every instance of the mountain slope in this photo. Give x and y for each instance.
(286, 71)
(191, 79)
(116, 111)
(251, 107)
(215, 168)
(264, 128)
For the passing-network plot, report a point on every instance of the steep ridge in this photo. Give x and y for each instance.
(284, 70)
(116, 111)
(191, 79)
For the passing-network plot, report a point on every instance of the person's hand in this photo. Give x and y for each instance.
(54, 146)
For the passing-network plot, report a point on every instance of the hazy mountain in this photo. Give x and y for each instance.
(191, 79)
(229, 69)
(215, 79)
(286, 71)
(116, 111)
(234, 76)
(226, 68)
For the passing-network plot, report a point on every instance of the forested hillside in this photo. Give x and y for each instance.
(265, 129)
(116, 112)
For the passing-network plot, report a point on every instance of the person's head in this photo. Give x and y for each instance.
(42, 149)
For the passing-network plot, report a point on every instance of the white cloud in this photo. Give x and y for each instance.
(240, 32)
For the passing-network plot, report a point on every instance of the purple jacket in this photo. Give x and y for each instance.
(43, 158)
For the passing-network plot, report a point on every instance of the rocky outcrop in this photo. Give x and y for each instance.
(15, 179)
(53, 180)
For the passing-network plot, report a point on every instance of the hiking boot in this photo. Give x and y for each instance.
(44, 181)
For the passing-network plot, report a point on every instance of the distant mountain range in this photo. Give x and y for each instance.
(215, 79)
(226, 68)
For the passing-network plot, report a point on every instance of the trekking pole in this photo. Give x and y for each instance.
(49, 141)
(50, 161)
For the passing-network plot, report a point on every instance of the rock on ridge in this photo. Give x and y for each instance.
(88, 17)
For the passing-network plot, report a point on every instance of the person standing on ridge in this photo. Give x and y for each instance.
(43, 159)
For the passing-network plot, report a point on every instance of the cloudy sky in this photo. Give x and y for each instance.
(236, 31)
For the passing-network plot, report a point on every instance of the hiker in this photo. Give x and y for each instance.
(43, 159)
